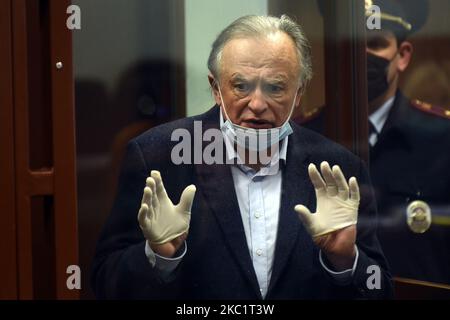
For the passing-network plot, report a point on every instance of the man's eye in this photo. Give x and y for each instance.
(241, 86)
(275, 88)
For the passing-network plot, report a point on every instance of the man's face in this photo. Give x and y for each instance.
(259, 80)
(384, 44)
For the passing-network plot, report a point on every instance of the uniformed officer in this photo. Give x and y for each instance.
(409, 151)
(409, 159)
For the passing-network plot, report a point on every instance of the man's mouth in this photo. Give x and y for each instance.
(257, 124)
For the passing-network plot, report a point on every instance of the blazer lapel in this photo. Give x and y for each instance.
(296, 189)
(216, 183)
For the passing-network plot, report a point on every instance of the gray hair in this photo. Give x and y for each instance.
(258, 26)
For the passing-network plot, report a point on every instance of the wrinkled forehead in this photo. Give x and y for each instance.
(276, 54)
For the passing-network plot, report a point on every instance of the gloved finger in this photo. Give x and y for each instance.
(341, 183)
(325, 169)
(316, 178)
(147, 199)
(142, 215)
(186, 199)
(152, 185)
(160, 190)
(150, 182)
(354, 189)
(151, 212)
(304, 214)
(147, 196)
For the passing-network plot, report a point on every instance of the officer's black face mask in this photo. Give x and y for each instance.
(377, 71)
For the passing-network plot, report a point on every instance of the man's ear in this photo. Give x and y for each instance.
(215, 89)
(405, 51)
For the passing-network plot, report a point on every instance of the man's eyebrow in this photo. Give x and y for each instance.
(238, 77)
(277, 79)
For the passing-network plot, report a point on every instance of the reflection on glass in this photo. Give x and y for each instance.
(409, 147)
(408, 78)
(127, 80)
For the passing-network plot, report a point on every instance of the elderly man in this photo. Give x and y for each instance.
(235, 233)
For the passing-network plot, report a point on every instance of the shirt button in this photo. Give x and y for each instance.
(259, 252)
(257, 215)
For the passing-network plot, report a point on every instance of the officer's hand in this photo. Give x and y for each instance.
(163, 224)
(333, 225)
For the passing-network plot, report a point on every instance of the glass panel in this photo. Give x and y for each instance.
(307, 13)
(409, 105)
(128, 78)
(410, 153)
(137, 64)
(142, 63)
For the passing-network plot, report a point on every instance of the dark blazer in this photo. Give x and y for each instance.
(410, 161)
(217, 264)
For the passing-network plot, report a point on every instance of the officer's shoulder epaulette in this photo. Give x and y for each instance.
(309, 115)
(431, 109)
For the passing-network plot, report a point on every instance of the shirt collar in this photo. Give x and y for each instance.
(379, 117)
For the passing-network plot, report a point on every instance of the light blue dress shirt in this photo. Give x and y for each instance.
(259, 195)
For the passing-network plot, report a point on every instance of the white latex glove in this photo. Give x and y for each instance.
(160, 220)
(337, 203)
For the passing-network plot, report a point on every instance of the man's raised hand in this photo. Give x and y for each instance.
(164, 225)
(333, 225)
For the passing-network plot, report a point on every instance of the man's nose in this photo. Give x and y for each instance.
(258, 103)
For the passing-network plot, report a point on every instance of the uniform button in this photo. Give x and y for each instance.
(259, 252)
(257, 215)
